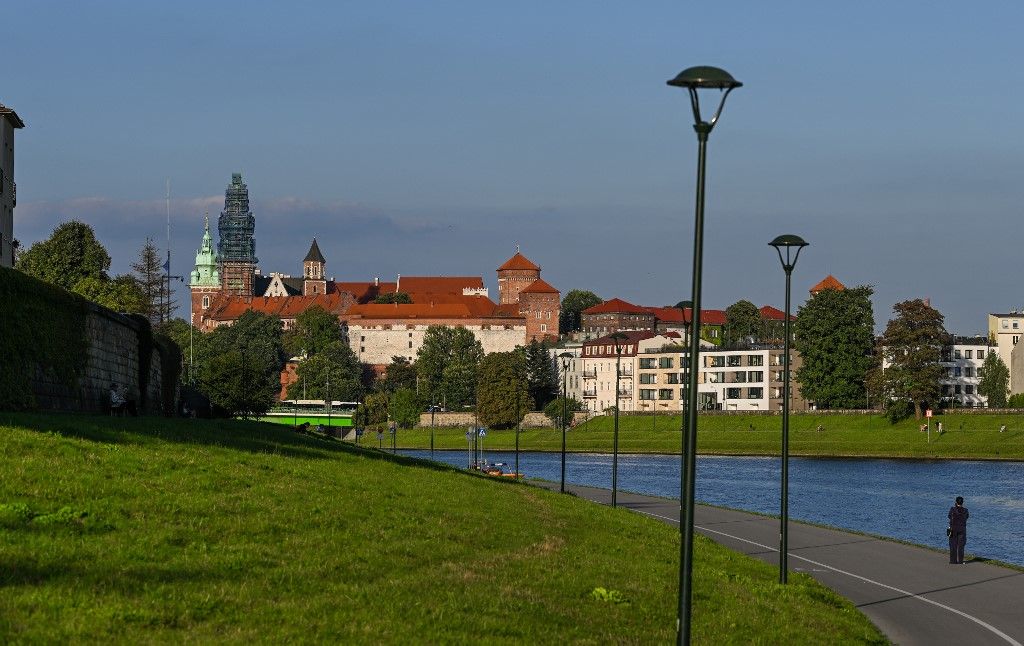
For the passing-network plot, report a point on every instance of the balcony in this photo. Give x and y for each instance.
(589, 394)
(626, 372)
(590, 374)
(625, 393)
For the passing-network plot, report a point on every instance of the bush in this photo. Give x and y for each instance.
(898, 410)
(1015, 401)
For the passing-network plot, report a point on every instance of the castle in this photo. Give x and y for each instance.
(226, 283)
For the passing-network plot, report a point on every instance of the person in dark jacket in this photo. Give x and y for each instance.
(958, 515)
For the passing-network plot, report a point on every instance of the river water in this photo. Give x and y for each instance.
(902, 499)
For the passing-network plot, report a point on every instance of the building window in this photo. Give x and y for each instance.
(968, 354)
(410, 345)
(968, 371)
(647, 363)
(755, 360)
(1016, 325)
(206, 302)
(665, 393)
(362, 349)
(981, 354)
(755, 376)
(956, 371)
(665, 362)
(1006, 324)
(646, 394)
(956, 389)
(968, 390)
(732, 393)
(755, 393)
(1015, 339)
(648, 378)
(716, 362)
(543, 327)
(734, 361)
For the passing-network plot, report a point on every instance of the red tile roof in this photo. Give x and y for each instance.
(829, 282)
(616, 306)
(539, 286)
(774, 314)
(519, 261)
(229, 308)
(667, 314)
(707, 317)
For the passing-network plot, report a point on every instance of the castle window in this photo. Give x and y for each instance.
(206, 302)
(543, 327)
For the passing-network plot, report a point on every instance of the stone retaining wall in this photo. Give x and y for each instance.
(530, 420)
(113, 346)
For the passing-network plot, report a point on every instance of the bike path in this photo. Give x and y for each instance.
(913, 594)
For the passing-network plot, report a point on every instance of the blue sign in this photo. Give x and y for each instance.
(481, 432)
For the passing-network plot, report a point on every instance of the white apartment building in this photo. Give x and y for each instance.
(9, 121)
(597, 365)
(1006, 330)
(962, 361)
(574, 374)
(736, 379)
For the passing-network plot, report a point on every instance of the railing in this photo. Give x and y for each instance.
(625, 393)
(589, 394)
(590, 374)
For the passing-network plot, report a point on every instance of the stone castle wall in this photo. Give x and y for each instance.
(113, 345)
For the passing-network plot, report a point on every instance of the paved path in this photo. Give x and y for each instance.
(911, 593)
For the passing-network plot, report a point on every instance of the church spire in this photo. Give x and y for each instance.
(205, 273)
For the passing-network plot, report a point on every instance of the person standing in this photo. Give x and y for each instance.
(958, 515)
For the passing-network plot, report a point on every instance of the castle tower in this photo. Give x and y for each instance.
(540, 305)
(204, 281)
(313, 280)
(514, 276)
(237, 246)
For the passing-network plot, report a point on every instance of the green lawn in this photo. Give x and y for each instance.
(965, 436)
(151, 530)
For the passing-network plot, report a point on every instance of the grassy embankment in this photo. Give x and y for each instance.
(140, 530)
(965, 436)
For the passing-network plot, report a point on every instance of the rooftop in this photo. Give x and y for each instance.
(11, 116)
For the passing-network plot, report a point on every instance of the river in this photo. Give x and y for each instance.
(902, 499)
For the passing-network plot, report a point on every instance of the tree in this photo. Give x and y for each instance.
(315, 329)
(186, 338)
(239, 365)
(399, 374)
(404, 407)
(994, 381)
(122, 294)
(400, 298)
(834, 334)
(69, 255)
(150, 277)
(447, 363)
(237, 383)
(333, 373)
(373, 412)
(573, 303)
(502, 398)
(541, 377)
(912, 347)
(742, 320)
(554, 410)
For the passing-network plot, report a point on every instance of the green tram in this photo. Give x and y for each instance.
(314, 412)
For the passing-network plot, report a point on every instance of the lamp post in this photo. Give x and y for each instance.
(694, 79)
(618, 338)
(565, 357)
(433, 409)
(792, 245)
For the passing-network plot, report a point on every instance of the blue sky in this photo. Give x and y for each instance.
(431, 138)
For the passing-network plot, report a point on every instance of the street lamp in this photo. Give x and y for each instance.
(694, 79)
(792, 246)
(565, 357)
(618, 338)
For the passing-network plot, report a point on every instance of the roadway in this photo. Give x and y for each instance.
(913, 594)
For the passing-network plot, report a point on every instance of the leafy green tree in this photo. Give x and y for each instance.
(373, 412)
(404, 407)
(150, 277)
(573, 303)
(541, 376)
(237, 383)
(187, 339)
(315, 329)
(1016, 401)
(399, 374)
(70, 255)
(994, 381)
(912, 346)
(253, 343)
(834, 334)
(742, 320)
(447, 364)
(122, 294)
(333, 373)
(400, 298)
(501, 394)
(554, 410)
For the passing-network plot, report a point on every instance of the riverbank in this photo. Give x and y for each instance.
(965, 436)
(136, 530)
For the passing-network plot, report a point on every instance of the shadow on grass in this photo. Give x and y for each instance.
(18, 571)
(248, 436)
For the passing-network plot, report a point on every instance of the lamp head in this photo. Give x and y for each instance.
(792, 245)
(705, 77)
(565, 356)
(618, 338)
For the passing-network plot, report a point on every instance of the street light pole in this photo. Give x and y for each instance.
(565, 356)
(789, 243)
(617, 337)
(693, 79)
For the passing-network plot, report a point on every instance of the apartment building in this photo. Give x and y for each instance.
(962, 360)
(597, 365)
